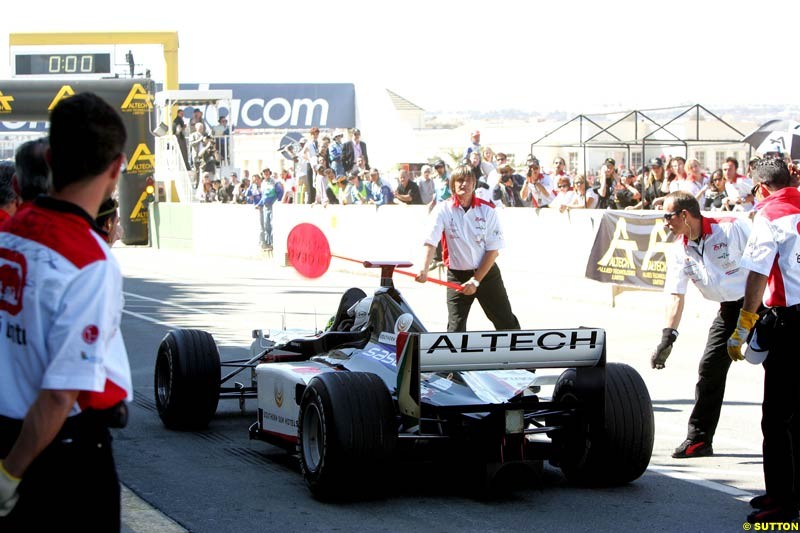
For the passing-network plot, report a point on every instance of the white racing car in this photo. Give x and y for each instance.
(376, 384)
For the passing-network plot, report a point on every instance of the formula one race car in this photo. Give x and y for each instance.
(376, 384)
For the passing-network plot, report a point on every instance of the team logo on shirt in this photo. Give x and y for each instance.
(90, 334)
(13, 268)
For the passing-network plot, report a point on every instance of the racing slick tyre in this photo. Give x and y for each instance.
(347, 431)
(614, 449)
(187, 379)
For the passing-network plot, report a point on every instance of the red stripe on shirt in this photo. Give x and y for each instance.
(111, 396)
(64, 233)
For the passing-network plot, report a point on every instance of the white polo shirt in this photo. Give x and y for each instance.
(774, 247)
(713, 263)
(466, 235)
(60, 311)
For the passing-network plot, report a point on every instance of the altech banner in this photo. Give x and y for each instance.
(629, 249)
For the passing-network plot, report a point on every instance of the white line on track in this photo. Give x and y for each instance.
(739, 494)
(192, 309)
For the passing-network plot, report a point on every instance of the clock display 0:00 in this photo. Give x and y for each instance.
(63, 64)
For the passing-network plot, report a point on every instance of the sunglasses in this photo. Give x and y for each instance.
(563, 186)
(668, 216)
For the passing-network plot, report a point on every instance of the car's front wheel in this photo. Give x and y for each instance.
(347, 431)
(187, 379)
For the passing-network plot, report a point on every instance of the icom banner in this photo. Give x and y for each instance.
(630, 250)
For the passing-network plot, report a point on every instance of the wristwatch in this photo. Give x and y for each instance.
(475, 282)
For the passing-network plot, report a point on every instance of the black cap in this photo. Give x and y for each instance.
(438, 163)
(656, 162)
(609, 161)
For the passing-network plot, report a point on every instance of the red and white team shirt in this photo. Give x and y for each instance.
(774, 247)
(713, 263)
(60, 311)
(466, 235)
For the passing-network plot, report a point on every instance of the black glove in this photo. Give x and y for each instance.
(664, 348)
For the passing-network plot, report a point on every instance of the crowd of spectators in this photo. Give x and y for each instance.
(324, 169)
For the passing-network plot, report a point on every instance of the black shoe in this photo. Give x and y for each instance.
(690, 448)
(763, 502)
(773, 514)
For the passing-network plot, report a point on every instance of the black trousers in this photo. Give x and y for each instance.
(712, 374)
(71, 486)
(780, 418)
(491, 295)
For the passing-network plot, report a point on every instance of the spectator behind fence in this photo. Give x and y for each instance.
(582, 196)
(357, 192)
(676, 173)
(289, 187)
(715, 196)
(506, 192)
(605, 184)
(309, 156)
(473, 146)
(560, 169)
(737, 187)
(240, 194)
(656, 185)
(354, 149)
(564, 196)
(407, 191)
(335, 153)
(331, 187)
(380, 192)
(626, 193)
(441, 184)
(427, 187)
(538, 188)
(693, 183)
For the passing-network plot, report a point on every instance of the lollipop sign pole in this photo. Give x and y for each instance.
(310, 254)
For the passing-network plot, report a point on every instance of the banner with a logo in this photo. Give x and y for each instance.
(629, 249)
(25, 105)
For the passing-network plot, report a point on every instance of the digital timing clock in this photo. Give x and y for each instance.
(62, 64)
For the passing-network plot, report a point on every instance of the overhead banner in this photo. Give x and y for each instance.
(629, 249)
(260, 106)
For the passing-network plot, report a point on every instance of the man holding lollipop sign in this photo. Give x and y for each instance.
(471, 240)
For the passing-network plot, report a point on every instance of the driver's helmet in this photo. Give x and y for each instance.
(360, 313)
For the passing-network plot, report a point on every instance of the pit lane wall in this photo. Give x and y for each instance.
(541, 248)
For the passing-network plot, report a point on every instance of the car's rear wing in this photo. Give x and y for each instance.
(491, 350)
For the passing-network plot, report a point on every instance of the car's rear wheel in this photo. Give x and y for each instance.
(347, 432)
(187, 379)
(614, 449)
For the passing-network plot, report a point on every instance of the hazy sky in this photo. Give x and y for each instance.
(451, 55)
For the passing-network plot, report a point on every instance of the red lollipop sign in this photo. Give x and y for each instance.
(309, 251)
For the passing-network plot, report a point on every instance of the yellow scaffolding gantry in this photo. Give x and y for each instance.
(167, 39)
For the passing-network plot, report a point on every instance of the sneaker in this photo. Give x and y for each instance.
(763, 502)
(773, 514)
(690, 448)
